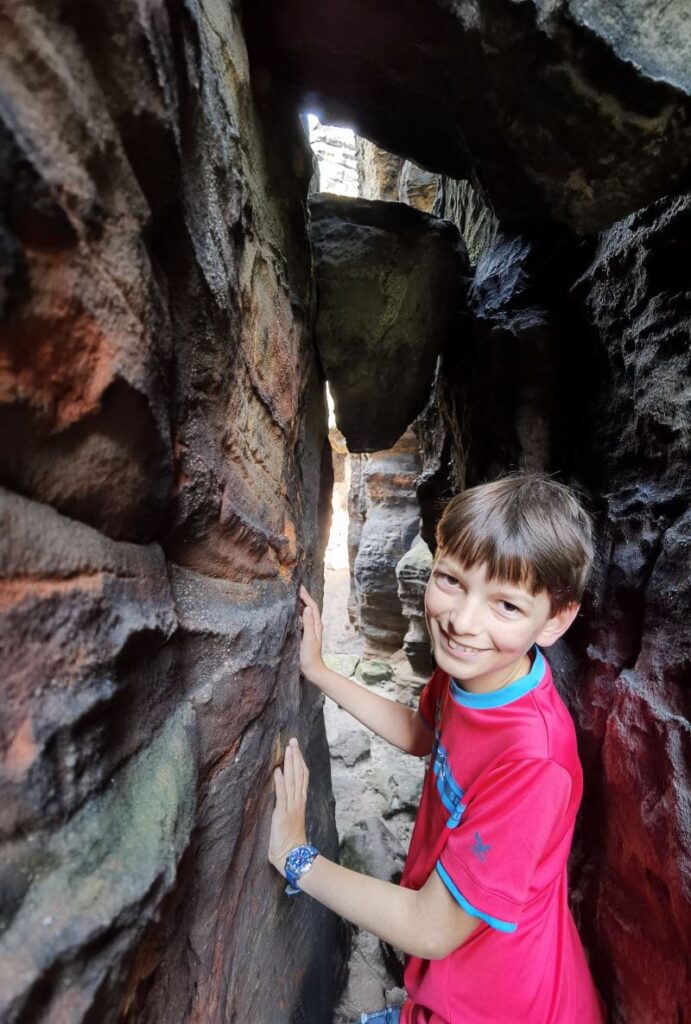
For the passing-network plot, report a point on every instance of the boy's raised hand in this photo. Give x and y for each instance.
(311, 661)
(288, 818)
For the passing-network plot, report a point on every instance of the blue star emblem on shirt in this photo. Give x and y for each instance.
(479, 848)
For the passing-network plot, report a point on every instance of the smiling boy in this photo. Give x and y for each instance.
(482, 908)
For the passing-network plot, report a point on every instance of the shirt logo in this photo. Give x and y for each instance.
(479, 848)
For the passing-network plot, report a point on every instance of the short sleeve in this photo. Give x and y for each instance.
(430, 699)
(510, 823)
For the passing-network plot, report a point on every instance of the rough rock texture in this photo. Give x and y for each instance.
(379, 172)
(576, 358)
(418, 187)
(382, 175)
(384, 518)
(335, 151)
(164, 456)
(632, 695)
(577, 110)
(412, 574)
(377, 789)
(388, 282)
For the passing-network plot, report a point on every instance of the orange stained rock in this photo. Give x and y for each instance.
(20, 588)
(60, 359)
(21, 753)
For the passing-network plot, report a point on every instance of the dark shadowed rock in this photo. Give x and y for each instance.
(632, 691)
(583, 356)
(578, 111)
(159, 389)
(389, 279)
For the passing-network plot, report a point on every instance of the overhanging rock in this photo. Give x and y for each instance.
(573, 110)
(389, 279)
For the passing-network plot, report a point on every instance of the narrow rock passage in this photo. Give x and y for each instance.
(376, 788)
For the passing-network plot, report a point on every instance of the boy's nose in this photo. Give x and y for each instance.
(464, 621)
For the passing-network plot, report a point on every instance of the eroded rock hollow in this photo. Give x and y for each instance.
(165, 326)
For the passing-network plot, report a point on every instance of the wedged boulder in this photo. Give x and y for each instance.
(389, 280)
(578, 111)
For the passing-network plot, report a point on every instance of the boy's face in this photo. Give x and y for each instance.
(482, 629)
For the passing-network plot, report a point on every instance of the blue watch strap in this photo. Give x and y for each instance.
(298, 862)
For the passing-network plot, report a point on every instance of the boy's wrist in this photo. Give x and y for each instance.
(279, 860)
(316, 674)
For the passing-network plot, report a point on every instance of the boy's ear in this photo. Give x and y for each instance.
(558, 624)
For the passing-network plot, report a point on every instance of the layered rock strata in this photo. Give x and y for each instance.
(382, 175)
(165, 462)
(384, 519)
(389, 279)
(412, 573)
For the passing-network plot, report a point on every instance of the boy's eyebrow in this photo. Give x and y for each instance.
(504, 589)
(515, 596)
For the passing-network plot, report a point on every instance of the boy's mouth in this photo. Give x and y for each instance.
(457, 647)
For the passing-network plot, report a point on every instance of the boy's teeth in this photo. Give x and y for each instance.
(454, 646)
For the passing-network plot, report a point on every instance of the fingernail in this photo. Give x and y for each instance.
(293, 742)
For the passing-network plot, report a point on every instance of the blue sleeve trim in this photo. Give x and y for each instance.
(493, 922)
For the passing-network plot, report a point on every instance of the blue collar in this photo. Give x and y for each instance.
(507, 694)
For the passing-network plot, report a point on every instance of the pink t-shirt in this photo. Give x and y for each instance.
(495, 821)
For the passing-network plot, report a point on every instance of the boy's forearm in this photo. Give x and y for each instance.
(387, 718)
(389, 911)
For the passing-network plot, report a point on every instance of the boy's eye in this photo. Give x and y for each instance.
(449, 581)
(506, 606)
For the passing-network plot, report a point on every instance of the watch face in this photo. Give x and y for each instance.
(299, 861)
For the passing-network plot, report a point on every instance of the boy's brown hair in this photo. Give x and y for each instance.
(527, 529)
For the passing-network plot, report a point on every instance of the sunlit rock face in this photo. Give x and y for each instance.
(575, 359)
(412, 573)
(577, 111)
(384, 519)
(379, 172)
(383, 175)
(389, 279)
(165, 465)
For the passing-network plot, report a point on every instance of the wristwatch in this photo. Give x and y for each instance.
(298, 862)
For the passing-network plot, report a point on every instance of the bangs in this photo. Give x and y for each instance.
(526, 530)
(506, 559)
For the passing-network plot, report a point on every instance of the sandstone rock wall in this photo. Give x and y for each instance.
(575, 359)
(164, 458)
(384, 518)
(384, 176)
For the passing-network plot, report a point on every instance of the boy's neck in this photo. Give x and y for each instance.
(510, 675)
